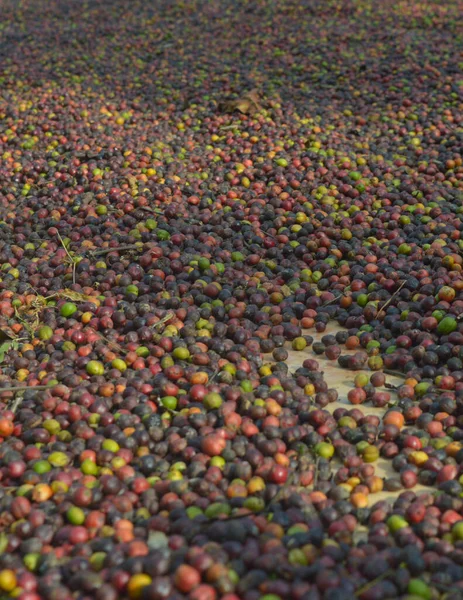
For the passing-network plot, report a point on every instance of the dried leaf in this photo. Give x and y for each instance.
(253, 96)
(247, 104)
(6, 335)
(87, 198)
(286, 291)
(132, 181)
(75, 296)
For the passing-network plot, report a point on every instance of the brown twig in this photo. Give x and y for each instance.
(115, 249)
(214, 375)
(155, 211)
(315, 477)
(110, 343)
(270, 235)
(23, 388)
(390, 386)
(333, 300)
(395, 373)
(383, 308)
(337, 297)
(373, 582)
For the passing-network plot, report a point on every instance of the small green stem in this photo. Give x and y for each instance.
(23, 388)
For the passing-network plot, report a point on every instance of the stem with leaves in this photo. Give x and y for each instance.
(73, 260)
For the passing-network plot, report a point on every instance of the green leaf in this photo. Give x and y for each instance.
(4, 349)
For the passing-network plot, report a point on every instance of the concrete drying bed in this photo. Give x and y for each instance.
(343, 381)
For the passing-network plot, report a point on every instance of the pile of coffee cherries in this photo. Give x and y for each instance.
(181, 257)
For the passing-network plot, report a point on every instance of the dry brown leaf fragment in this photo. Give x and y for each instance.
(247, 104)
(75, 296)
(6, 335)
